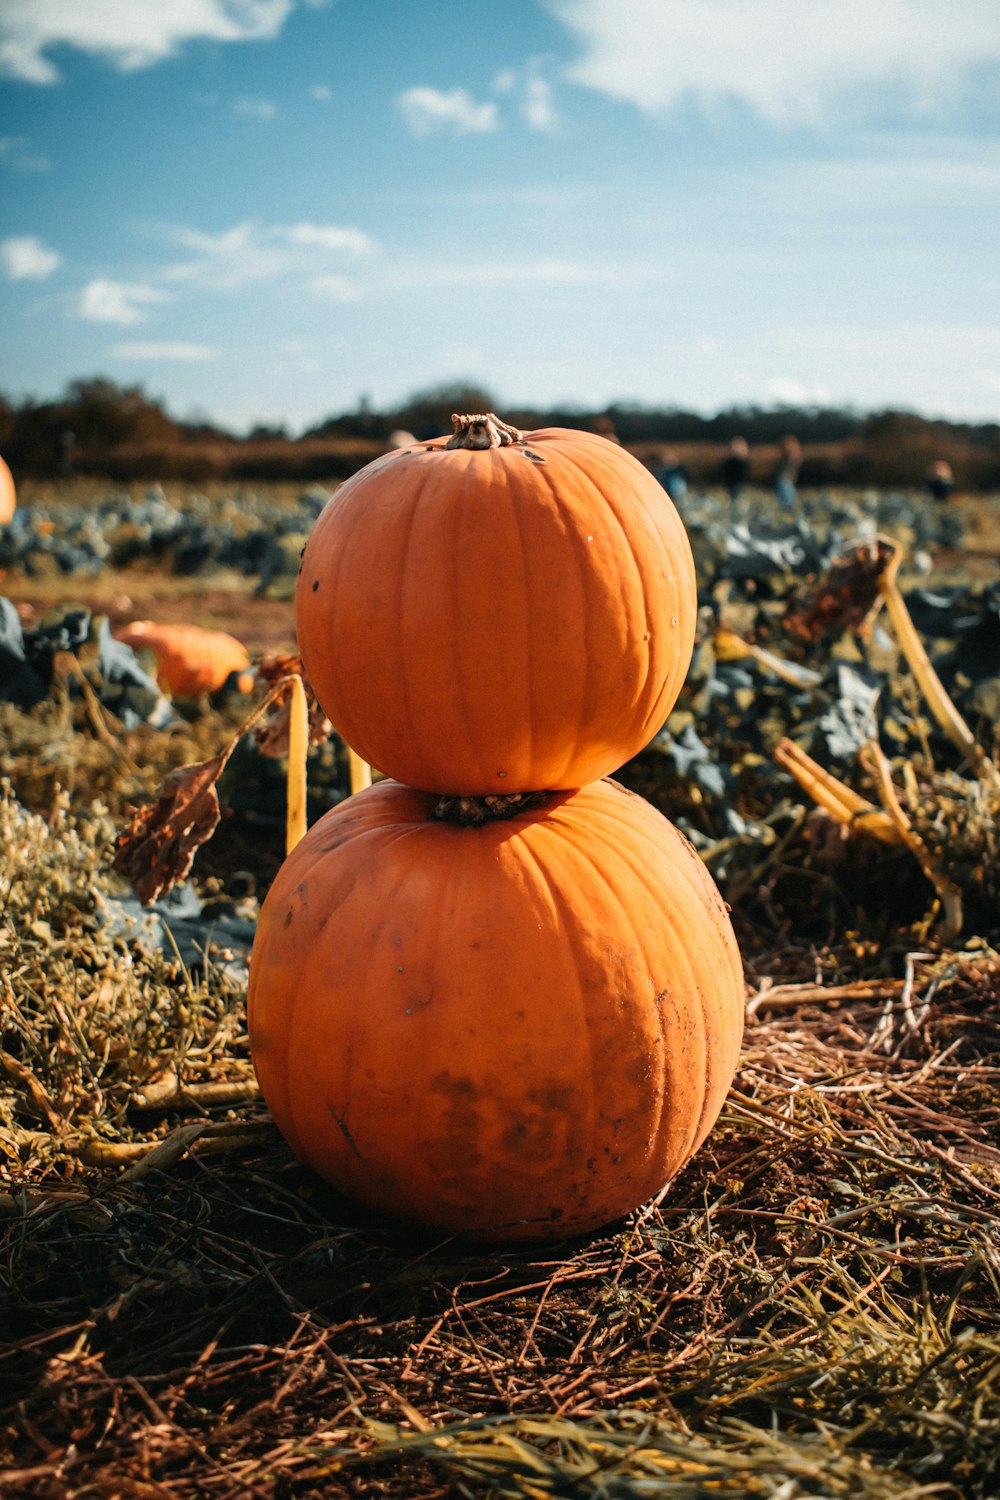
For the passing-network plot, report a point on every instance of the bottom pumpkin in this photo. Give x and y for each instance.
(516, 1030)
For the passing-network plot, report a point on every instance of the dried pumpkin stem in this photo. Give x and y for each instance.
(732, 647)
(483, 430)
(950, 896)
(298, 746)
(937, 699)
(839, 800)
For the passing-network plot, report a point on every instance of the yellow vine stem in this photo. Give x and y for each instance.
(874, 761)
(930, 684)
(360, 770)
(298, 746)
(732, 647)
(840, 801)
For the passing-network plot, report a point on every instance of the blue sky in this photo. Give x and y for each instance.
(265, 210)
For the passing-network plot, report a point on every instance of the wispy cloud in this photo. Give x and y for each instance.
(255, 109)
(124, 302)
(426, 110)
(791, 63)
(26, 258)
(787, 392)
(166, 353)
(17, 152)
(252, 252)
(549, 271)
(532, 94)
(129, 34)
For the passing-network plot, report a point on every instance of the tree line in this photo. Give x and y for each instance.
(97, 427)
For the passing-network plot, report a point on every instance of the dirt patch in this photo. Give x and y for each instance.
(223, 602)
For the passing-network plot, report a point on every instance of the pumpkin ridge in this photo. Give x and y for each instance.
(470, 501)
(513, 492)
(602, 495)
(331, 611)
(564, 511)
(686, 983)
(560, 906)
(416, 726)
(365, 1002)
(458, 626)
(677, 669)
(601, 867)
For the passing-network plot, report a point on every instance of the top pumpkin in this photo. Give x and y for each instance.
(495, 613)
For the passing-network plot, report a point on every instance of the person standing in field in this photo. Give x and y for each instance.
(940, 480)
(735, 468)
(672, 474)
(786, 475)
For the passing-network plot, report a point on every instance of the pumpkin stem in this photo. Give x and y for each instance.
(490, 809)
(484, 430)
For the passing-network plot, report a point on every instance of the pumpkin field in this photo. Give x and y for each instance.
(801, 1296)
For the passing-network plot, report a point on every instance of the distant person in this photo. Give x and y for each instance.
(786, 475)
(606, 428)
(940, 480)
(401, 438)
(672, 474)
(735, 468)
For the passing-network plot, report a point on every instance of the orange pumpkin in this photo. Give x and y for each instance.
(496, 619)
(518, 1030)
(190, 660)
(8, 495)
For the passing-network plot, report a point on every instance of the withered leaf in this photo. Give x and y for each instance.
(271, 731)
(846, 599)
(158, 847)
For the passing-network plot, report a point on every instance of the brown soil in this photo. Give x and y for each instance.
(222, 602)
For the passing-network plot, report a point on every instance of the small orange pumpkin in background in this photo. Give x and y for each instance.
(8, 495)
(517, 1030)
(497, 612)
(190, 660)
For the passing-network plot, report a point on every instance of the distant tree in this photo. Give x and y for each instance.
(428, 413)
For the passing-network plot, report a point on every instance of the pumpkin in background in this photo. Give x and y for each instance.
(517, 1030)
(8, 495)
(190, 660)
(492, 619)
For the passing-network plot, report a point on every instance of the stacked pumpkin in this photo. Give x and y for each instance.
(495, 994)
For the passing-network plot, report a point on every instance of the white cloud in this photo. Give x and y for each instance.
(533, 95)
(104, 301)
(129, 34)
(17, 152)
(165, 353)
(790, 62)
(255, 109)
(251, 252)
(786, 392)
(329, 237)
(536, 104)
(427, 109)
(321, 91)
(26, 258)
